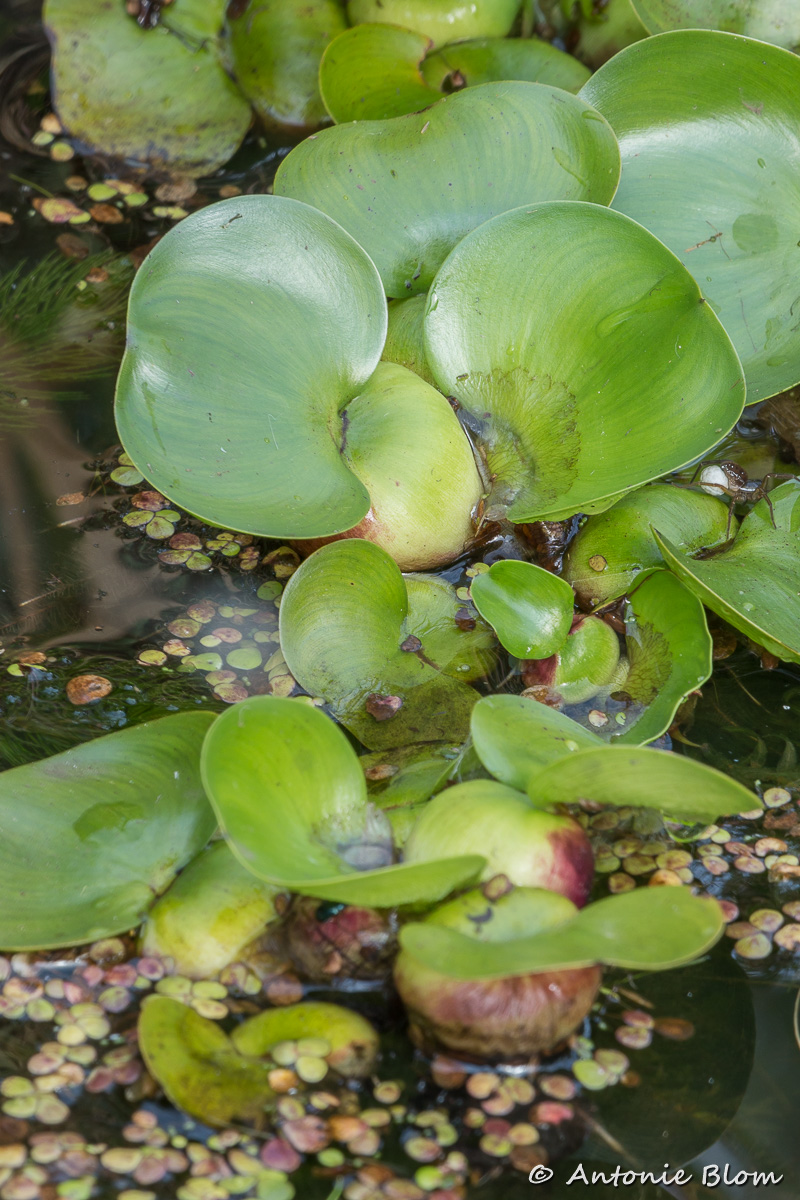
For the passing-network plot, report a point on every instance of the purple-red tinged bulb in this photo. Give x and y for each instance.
(513, 1018)
(535, 849)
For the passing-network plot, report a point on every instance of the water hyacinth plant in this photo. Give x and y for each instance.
(452, 403)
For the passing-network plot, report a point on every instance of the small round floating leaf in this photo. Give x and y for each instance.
(611, 549)
(484, 60)
(199, 1068)
(90, 836)
(440, 20)
(529, 608)
(767, 20)
(679, 928)
(291, 797)
(409, 188)
(670, 654)
(157, 96)
(254, 323)
(275, 50)
(754, 583)
(516, 737)
(346, 1040)
(536, 323)
(344, 618)
(680, 788)
(725, 202)
(371, 72)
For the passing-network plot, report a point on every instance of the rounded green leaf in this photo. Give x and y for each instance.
(158, 96)
(650, 929)
(252, 325)
(345, 617)
(614, 547)
(709, 129)
(768, 20)
(372, 72)
(409, 188)
(530, 609)
(753, 583)
(92, 835)
(515, 737)
(484, 60)
(440, 20)
(291, 797)
(571, 336)
(199, 1068)
(209, 914)
(681, 788)
(275, 51)
(405, 336)
(669, 653)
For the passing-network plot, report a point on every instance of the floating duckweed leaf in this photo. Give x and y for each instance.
(372, 72)
(409, 188)
(348, 1042)
(291, 797)
(529, 608)
(669, 654)
(344, 619)
(753, 584)
(727, 206)
(680, 927)
(680, 788)
(275, 48)
(440, 20)
(768, 20)
(552, 411)
(612, 548)
(208, 915)
(484, 60)
(198, 1066)
(90, 836)
(158, 96)
(313, 305)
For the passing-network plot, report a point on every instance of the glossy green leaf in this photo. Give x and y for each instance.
(400, 781)
(92, 835)
(679, 928)
(681, 788)
(611, 549)
(199, 1068)
(515, 737)
(669, 653)
(440, 20)
(253, 324)
(536, 323)
(768, 20)
(345, 616)
(409, 188)
(530, 609)
(291, 797)
(275, 52)
(352, 1040)
(405, 336)
(157, 96)
(209, 914)
(371, 72)
(484, 60)
(709, 129)
(753, 584)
